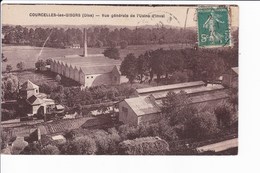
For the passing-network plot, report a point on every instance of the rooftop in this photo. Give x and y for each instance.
(33, 100)
(235, 69)
(28, 85)
(202, 89)
(222, 94)
(170, 87)
(97, 69)
(91, 64)
(142, 105)
(208, 97)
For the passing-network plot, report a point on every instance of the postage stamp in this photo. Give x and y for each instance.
(213, 27)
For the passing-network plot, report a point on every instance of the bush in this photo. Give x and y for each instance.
(20, 66)
(32, 149)
(9, 68)
(128, 132)
(144, 146)
(80, 145)
(112, 53)
(201, 126)
(223, 114)
(58, 78)
(40, 63)
(50, 150)
(123, 44)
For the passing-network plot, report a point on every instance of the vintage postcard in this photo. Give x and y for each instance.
(119, 79)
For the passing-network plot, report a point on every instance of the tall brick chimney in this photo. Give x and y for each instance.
(85, 39)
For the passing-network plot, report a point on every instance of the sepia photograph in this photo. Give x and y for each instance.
(119, 79)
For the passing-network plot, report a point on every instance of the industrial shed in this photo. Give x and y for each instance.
(138, 110)
(147, 108)
(88, 69)
(167, 88)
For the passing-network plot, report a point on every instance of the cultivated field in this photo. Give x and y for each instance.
(29, 54)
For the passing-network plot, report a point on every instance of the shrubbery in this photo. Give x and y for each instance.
(201, 126)
(223, 114)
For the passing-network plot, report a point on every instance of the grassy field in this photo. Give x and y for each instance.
(39, 78)
(29, 54)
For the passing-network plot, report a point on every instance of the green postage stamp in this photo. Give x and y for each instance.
(213, 27)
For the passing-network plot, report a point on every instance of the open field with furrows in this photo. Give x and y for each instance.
(29, 55)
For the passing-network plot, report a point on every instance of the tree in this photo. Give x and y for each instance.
(201, 126)
(177, 107)
(144, 146)
(48, 61)
(10, 86)
(142, 66)
(40, 63)
(106, 142)
(58, 78)
(46, 88)
(123, 44)
(9, 68)
(4, 59)
(32, 149)
(20, 65)
(112, 53)
(223, 114)
(80, 145)
(128, 67)
(50, 150)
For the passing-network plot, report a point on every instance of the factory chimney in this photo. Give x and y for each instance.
(85, 39)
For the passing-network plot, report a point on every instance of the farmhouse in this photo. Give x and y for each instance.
(33, 102)
(88, 70)
(146, 107)
(230, 77)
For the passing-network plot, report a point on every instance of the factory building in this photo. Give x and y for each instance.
(88, 69)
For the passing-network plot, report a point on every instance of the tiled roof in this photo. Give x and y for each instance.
(235, 69)
(170, 87)
(28, 85)
(33, 100)
(92, 64)
(142, 105)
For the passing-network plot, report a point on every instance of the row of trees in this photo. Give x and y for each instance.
(97, 36)
(76, 97)
(179, 65)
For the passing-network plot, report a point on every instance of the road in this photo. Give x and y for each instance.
(220, 146)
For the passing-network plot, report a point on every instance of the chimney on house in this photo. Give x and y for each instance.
(85, 39)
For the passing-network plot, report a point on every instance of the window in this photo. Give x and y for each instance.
(87, 77)
(91, 76)
(125, 111)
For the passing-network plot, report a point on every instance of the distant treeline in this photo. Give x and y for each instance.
(97, 36)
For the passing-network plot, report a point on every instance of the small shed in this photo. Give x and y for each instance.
(230, 78)
(138, 110)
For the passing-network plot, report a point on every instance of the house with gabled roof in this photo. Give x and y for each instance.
(33, 102)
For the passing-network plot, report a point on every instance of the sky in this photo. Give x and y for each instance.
(171, 15)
